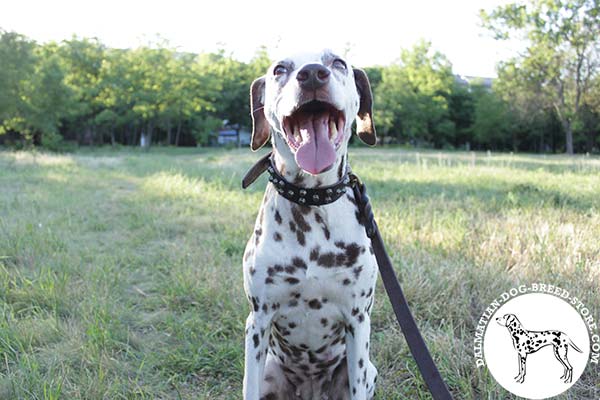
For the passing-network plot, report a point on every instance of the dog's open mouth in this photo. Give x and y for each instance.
(314, 131)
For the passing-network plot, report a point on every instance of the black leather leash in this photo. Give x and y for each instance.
(416, 344)
(409, 327)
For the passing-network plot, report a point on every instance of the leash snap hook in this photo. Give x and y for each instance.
(355, 180)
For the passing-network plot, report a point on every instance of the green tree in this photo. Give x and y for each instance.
(115, 96)
(562, 52)
(461, 111)
(82, 61)
(492, 122)
(17, 64)
(192, 97)
(33, 96)
(532, 116)
(413, 97)
(48, 95)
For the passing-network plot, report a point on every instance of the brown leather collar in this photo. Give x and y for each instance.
(297, 194)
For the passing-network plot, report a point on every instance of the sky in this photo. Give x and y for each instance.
(374, 31)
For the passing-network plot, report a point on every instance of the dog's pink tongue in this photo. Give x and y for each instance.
(316, 152)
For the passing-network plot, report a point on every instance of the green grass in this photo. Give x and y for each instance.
(120, 271)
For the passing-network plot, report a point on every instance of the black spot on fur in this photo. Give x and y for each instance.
(314, 254)
(368, 308)
(298, 263)
(347, 257)
(278, 217)
(304, 209)
(350, 329)
(301, 238)
(340, 171)
(298, 179)
(290, 269)
(351, 198)
(256, 340)
(326, 260)
(277, 237)
(357, 271)
(292, 281)
(324, 226)
(353, 250)
(346, 281)
(300, 220)
(314, 304)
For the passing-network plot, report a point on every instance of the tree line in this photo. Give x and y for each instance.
(82, 91)
(547, 99)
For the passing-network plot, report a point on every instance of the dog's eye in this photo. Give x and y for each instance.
(340, 64)
(279, 70)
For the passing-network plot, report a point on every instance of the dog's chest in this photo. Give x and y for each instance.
(315, 251)
(314, 269)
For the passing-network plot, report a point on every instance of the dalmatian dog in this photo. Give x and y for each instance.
(527, 342)
(309, 271)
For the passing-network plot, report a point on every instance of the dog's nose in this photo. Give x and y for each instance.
(313, 76)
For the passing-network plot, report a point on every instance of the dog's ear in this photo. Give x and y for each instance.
(260, 126)
(364, 122)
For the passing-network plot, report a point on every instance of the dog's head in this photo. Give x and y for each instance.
(508, 320)
(310, 101)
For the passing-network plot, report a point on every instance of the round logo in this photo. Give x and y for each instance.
(536, 345)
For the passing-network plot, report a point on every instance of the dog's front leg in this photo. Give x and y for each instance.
(258, 328)
(516, 378)
(522, 366)
(357, 354)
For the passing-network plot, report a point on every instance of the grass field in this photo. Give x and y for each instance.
(120, 271)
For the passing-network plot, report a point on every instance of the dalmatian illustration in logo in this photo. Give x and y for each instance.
(527, 342)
